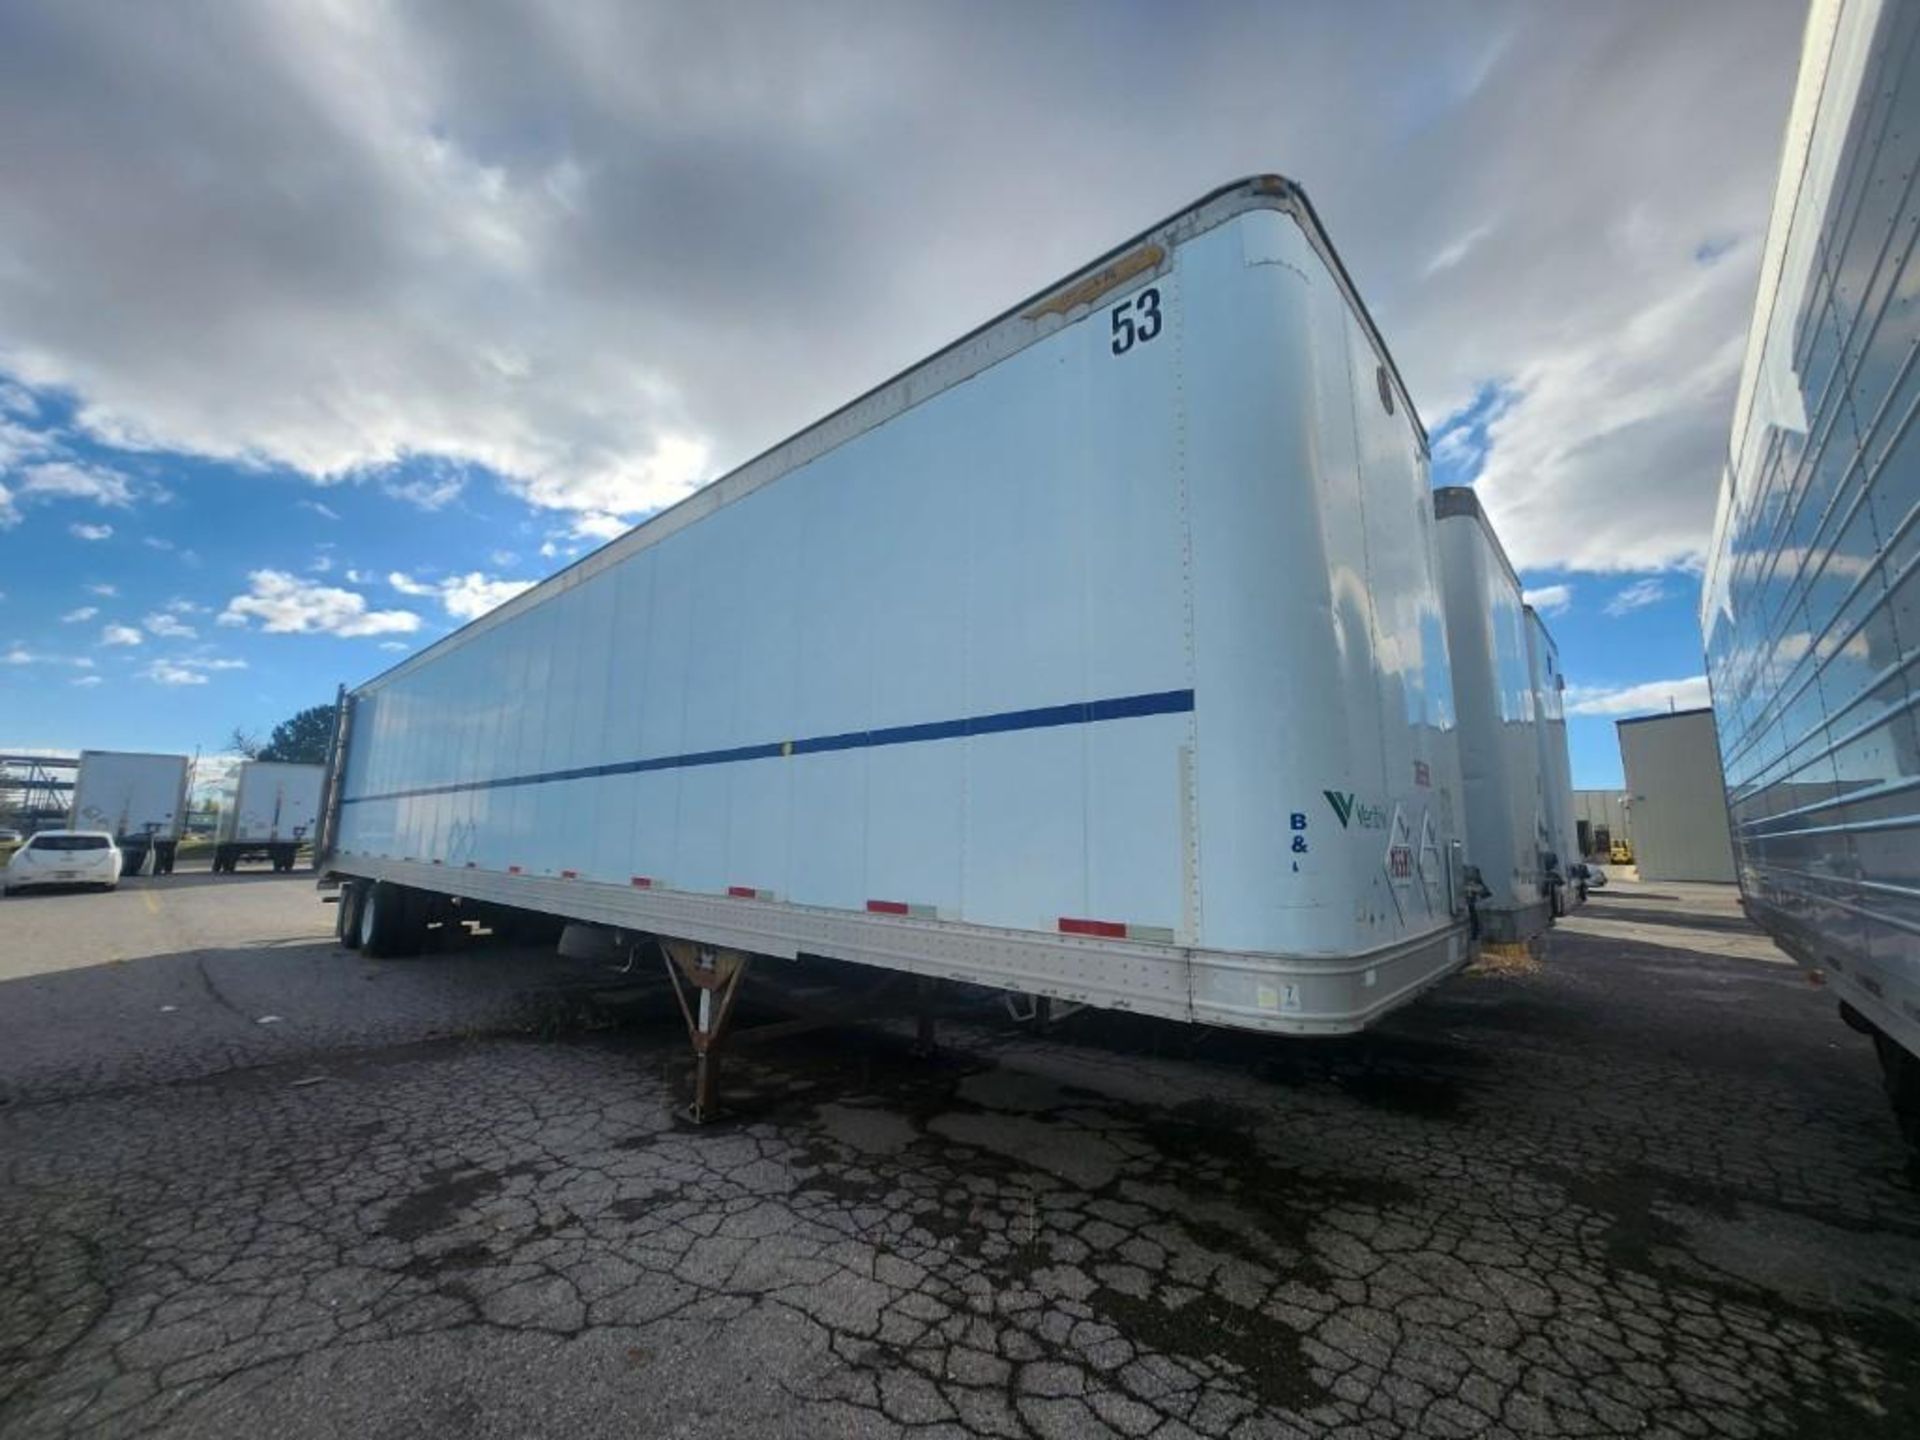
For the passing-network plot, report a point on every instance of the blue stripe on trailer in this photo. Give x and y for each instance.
(1047, 717)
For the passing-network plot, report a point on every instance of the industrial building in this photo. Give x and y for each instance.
(1675, 797)
(1601, 817)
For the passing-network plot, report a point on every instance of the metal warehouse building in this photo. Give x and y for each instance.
(1601, 817)
(1674, 788)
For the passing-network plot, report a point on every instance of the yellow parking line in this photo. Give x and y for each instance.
(153, 907)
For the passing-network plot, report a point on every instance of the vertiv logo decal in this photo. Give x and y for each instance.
(1371, 817)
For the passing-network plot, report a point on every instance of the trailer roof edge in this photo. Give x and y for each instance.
(1664, 715)
(1268, 191)
(1461, 502)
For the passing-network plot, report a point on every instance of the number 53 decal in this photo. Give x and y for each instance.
(1134, 320)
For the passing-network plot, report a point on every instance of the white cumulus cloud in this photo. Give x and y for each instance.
(80, 616)
(1650, 695)
(121, 635)
(169, 626)
(1636, 596)
(68, 481)
(19, 654)
(466, 597)
(598, 526)
(1549, 599)
(600, 249)
(190, 671)
(407, 585)
(91, 532)
(165, 672)
(286, 604)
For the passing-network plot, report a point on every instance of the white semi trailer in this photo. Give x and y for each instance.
(141, 799)
(1099, 657)
(1560, 837)
(271, 809)
(1500, 748)
(1811, 607)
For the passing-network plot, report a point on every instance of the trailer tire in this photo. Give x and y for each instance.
(346, 917)
(391, 920)
(1902, 1072)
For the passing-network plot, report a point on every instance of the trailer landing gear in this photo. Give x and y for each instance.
(715, 976)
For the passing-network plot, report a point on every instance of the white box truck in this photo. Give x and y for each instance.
(1500, 750)
(141, 799)
(1099, 657)
(270, 810)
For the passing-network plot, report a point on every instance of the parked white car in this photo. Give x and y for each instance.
(64, 857)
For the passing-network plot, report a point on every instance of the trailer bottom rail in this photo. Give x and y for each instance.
(1282, 993)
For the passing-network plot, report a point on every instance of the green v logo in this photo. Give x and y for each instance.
(1342, 805)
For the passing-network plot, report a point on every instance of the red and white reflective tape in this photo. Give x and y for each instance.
(1116, 930)
(902, 907)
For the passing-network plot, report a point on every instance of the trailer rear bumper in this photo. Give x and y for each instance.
(1285, 994)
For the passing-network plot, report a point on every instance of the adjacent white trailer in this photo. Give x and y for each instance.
(1811, 608)
(141, 799)
(271, 808)
(1560, 838)
(1099, 657)
(1500, 749)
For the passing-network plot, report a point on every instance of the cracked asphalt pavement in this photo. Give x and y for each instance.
(252, 1185)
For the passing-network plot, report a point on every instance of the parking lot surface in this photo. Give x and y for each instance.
(252, 1185)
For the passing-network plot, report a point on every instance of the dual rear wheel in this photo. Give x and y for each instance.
(385, 920)
(381, 919)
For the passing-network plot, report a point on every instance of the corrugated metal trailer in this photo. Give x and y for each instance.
(1811, 608)
(1099, 657)
(1500, 748)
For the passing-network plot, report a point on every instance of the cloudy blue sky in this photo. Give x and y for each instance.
(324, 326)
